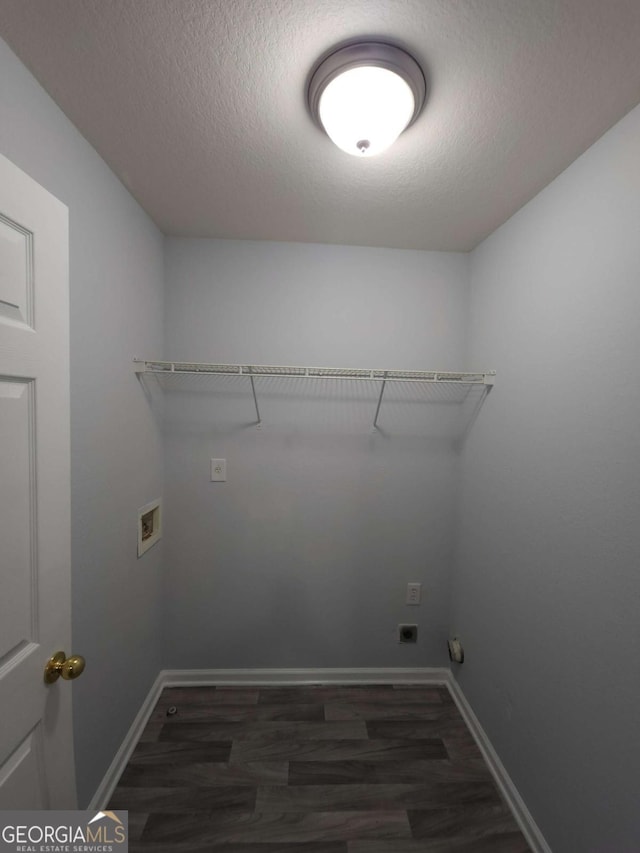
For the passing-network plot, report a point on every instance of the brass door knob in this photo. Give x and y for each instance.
(61, 665)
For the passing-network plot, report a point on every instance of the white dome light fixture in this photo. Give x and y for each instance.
(364, 95)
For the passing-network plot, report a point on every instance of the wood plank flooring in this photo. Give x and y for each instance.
(379, 769)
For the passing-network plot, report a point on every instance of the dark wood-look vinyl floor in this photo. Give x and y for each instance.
(379, 769)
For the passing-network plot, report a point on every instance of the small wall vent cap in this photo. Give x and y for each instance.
(456, 652)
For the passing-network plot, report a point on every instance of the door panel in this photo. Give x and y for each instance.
(17, 518)
(16, 269)
(22, 775)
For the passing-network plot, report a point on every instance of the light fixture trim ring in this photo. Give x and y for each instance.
(373, 54)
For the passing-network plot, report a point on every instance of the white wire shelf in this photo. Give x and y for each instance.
(252, 372)
(484, 378)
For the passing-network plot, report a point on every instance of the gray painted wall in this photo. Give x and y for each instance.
(116, 455)
(547, 586)
(302, 557)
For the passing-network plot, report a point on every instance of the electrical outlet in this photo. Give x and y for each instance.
(414, 591)
(218, 470)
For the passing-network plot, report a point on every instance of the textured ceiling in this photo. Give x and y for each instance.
(199, 107)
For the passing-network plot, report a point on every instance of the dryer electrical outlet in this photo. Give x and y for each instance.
(407, 633)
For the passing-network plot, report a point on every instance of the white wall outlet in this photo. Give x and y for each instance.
(218, 470)
(414, 593)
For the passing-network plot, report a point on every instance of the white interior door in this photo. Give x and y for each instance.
(36, 748)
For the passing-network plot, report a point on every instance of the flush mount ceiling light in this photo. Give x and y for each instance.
(364, 95)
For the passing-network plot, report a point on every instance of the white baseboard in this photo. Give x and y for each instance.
(267, 677)
(107, 786)
(521, 813)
